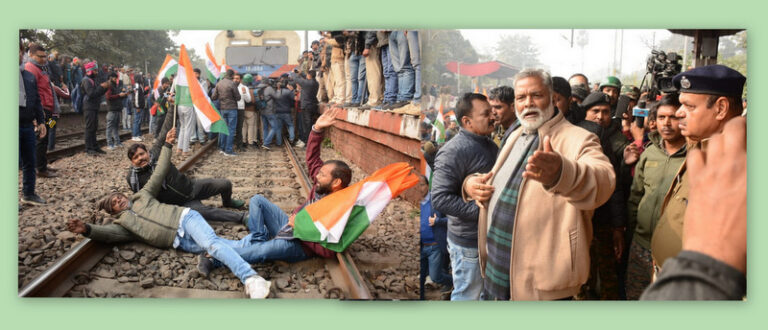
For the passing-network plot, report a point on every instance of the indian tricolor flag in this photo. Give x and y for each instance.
(439, 126)
(190, 91)
(212, 71)
(169, 67)
(338, 219)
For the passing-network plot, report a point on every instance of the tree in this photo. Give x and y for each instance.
(115, 47)
(517, 50)
(39, 36)
(441, 47)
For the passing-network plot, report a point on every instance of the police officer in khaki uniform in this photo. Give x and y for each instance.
(710, 97)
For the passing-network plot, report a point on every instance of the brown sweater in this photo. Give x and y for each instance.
(553, 228)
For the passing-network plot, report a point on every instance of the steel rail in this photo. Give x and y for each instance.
(59, 278)
(69, 151)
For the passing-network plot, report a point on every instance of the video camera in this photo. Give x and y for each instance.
(662, 67)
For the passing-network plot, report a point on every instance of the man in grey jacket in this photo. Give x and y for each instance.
(144, 218)
(227, 94)
(281, 100)
(471, 151)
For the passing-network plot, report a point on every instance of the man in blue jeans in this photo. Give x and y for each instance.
(31, 124)
(434, 253)
(357, 68)
(404, 53)
(470, 151)
(144, 218)
(226, 93)
(388, 71)
(272, 229)
(282, 100)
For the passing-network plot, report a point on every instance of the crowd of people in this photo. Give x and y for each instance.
(544, 190)
(552, 190)
(367, 69)
(83, 87)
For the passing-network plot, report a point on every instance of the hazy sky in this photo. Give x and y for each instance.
(554, 47)
(196, 39)
(556, 53)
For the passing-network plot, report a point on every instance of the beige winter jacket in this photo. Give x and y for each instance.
(553, 227)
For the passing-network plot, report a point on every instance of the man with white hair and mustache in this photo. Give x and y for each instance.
(536, 203)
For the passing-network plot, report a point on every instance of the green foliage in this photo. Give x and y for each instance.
(441, 47)
(116, 47)
(517, 50)
(38, 36)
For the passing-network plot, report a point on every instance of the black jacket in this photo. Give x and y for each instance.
(282, 99)
(33, 109)
(695, 276)
(114, 100)
(465, 154)
(309, 89)
(176, 188)
(92, 94)
(370, 39)
(614, 212)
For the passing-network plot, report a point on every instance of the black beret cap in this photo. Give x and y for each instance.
(595, 98)
(580, 91)
(711, 79)
(561, 86)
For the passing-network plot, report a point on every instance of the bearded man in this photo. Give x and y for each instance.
(536, 204)
(272, 229)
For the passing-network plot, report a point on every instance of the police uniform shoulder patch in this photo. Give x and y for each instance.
(685, 83)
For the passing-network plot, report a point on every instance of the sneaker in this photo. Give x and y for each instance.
(351, 105)
(93, 153)
(221, 152)
(370, 106)
(99, 151)
(236, 203)
(300, 144)
(137, 139)
(265, 148)
(110, 148)
(399, 104)
(33, 199)
(230, 154)
(204, 265)
(257, 287)
(382, 107)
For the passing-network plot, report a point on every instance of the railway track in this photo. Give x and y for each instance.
(73, 143)
(90, 269)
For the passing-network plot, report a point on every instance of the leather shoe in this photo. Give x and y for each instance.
(46, 174)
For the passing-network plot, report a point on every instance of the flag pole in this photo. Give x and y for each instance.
(175, 105)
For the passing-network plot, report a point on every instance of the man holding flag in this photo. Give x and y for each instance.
(268, 222)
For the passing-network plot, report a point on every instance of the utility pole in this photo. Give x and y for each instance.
(458, 78)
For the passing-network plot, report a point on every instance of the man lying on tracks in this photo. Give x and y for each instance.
(272, 229)
(177, 188)
(142, 217)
